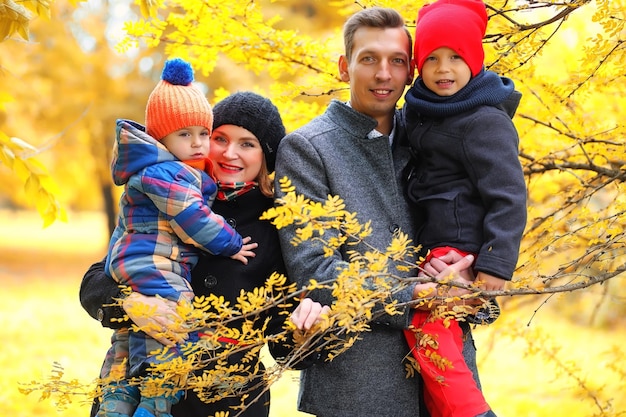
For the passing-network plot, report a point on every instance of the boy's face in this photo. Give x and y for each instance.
(378, 71)
(191, 142)
(444, 72)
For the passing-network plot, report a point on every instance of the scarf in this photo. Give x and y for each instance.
(486, 88)
(227, 191)
(201, 164)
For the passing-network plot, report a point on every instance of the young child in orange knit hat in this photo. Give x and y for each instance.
(466, 182)
(165, 221)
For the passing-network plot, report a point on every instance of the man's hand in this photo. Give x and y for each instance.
(308, 313)
(160, 323)
(437, 265)
(450, 267)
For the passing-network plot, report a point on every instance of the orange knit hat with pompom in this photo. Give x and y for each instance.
(176, 103)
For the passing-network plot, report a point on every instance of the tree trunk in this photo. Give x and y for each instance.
(109, 206)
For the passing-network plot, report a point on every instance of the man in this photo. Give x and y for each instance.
(358, 151)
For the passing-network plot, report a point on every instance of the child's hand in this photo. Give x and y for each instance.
(246, 251)
(489, 282)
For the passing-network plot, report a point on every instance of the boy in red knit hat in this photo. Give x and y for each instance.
(165, 221)
(466, 182)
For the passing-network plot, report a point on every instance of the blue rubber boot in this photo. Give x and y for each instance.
(157, 406)
(119, 401)
(487, 414)
(153, 407)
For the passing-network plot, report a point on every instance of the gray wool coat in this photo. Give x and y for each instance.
(332, 155)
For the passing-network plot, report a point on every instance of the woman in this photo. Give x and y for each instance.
(247, 129)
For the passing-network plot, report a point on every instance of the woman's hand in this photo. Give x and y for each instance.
(159, 324)
(308, 313)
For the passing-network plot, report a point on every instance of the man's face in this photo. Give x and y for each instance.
(378, 71)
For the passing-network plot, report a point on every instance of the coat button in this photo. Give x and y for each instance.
(232, 222)
(393, 228)
(210, 281)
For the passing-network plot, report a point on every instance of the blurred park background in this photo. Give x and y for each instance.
(70, 68)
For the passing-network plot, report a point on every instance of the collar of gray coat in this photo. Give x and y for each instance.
(373, 133)
(356, 122)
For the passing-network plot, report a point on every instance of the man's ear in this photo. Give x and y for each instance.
(409, 79)
(343, 69)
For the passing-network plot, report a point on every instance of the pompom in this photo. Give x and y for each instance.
(177, 72)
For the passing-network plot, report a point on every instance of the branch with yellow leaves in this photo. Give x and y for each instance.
(314, 218)
(39, 186)
(16, 154)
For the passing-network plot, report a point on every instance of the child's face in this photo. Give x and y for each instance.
(191, 142)
(444, 72)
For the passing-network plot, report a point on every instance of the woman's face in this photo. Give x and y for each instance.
(236, 154)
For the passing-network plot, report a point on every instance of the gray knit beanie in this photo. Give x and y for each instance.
(256, 114)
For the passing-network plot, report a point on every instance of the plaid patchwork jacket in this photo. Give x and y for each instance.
(164, 219)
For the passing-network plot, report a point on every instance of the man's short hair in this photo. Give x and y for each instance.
(373, 17)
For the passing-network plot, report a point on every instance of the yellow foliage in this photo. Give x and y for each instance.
(14, 19)
(18, 156)
(39, 186)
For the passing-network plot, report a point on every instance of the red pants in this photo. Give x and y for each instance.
(451, 392)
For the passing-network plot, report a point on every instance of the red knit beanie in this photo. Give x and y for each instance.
(176, 103)
(457, 24)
